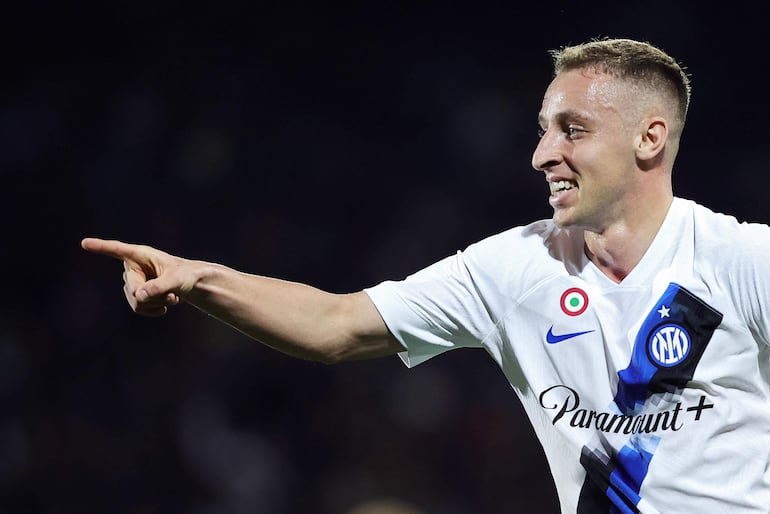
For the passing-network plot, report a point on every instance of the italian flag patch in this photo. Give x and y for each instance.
(574, 301)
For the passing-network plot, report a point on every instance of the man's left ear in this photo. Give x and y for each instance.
(652, 139)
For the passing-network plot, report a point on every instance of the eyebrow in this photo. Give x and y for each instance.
(569, 114)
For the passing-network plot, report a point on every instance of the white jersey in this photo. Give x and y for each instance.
(651, 395)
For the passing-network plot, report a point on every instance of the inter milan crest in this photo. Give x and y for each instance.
(574, 301)
(668, 345)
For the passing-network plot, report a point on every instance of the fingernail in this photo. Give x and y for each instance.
(142, 295)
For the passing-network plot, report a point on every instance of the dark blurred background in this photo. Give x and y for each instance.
(338, 145)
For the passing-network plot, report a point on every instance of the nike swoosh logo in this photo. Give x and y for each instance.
(552, 338)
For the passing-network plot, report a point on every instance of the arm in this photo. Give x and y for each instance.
(293, 318)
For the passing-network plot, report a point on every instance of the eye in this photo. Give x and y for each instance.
(573, 131)
(540, 133)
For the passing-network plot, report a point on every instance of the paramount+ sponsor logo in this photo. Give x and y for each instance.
(565, 404)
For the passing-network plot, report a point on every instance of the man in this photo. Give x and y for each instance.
(633, 326)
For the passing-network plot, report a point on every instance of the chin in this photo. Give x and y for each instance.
(561, 220)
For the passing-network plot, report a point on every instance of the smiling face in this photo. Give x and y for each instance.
(590, 124)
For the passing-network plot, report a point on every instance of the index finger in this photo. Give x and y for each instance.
(112, 248)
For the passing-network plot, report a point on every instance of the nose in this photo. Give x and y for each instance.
(546, 154)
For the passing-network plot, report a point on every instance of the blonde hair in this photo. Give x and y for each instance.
(645, 64)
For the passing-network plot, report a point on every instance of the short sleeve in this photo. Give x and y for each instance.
(750, 279)
(437, 309)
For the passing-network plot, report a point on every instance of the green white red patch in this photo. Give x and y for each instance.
(574, 301)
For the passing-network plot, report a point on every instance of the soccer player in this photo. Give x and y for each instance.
(634, 325)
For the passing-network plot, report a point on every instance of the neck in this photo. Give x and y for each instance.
(617, 249)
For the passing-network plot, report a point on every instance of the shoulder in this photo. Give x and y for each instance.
(721, 231)
(733, 251)
(732, 256)
(536, 240)
(526, 253)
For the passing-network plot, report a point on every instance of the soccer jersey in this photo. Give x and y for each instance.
(651, 395)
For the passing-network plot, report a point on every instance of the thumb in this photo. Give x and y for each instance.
(162, 286)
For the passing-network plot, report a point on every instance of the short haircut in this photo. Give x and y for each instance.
(629, 59)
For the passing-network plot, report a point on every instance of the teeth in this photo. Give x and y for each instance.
(560, 186)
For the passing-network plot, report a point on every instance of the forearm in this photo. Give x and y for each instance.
(293, 318)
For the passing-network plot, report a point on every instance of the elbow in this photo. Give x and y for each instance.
(332, 354)
(336, 351)
(326, 354)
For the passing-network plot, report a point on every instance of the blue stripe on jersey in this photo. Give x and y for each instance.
(613, 482)
(633, 460)
(667, 349)
(677, 311)
(634, 385)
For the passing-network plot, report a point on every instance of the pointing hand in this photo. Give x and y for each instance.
(153, 279)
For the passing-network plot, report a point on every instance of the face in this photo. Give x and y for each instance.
(586, 150)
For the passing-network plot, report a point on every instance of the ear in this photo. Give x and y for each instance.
(651, 140)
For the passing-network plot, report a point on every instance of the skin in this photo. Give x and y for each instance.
(599, 137)
(296, 319)
(595, 135)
